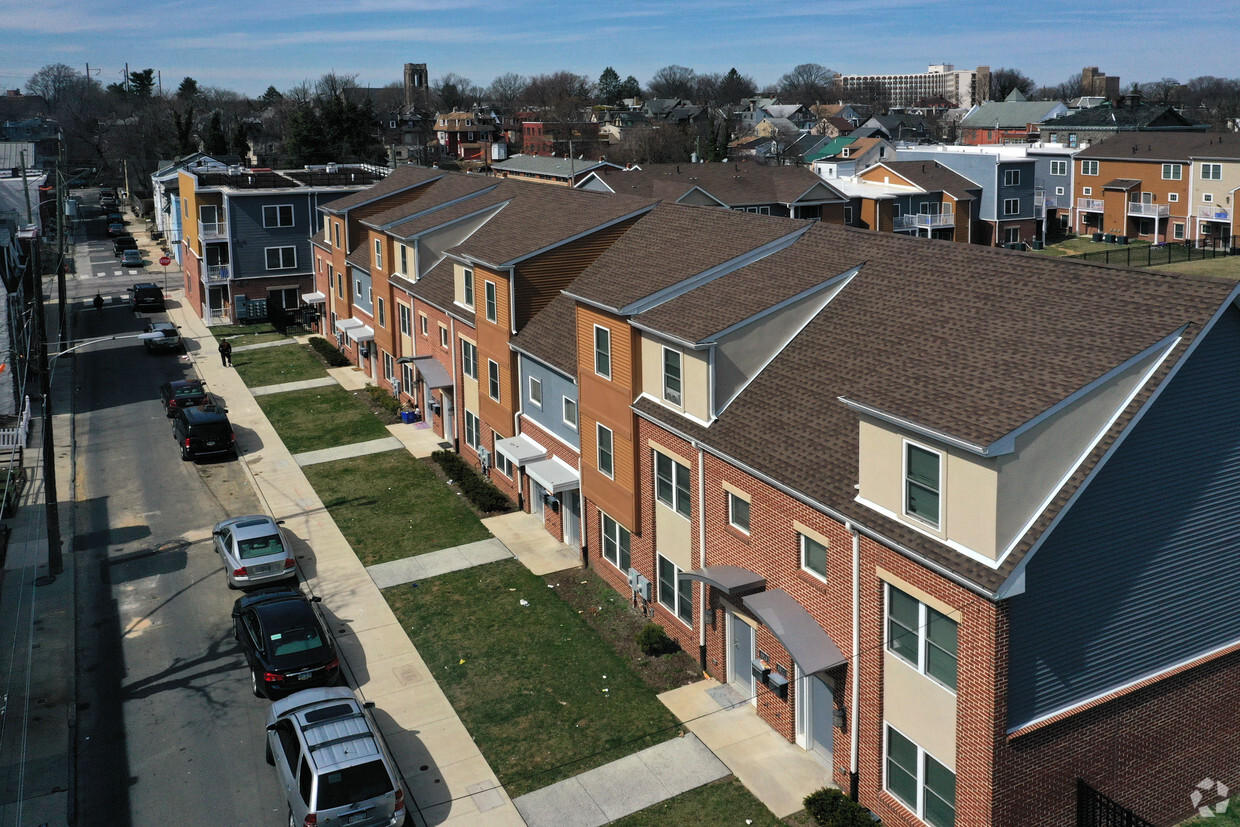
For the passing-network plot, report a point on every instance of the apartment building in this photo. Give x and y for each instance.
(964, 88)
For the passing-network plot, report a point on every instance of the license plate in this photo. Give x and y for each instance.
(210, 443)
(302, 676)
(356, 818)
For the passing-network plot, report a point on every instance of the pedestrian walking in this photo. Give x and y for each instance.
(225, 353)
(98, 303)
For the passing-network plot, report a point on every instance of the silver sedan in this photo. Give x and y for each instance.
(254, 550)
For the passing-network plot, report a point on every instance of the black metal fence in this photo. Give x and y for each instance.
(1170, 252)
(1093, 809)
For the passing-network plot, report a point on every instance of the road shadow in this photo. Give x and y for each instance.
(111, 536)
(426, 791)
(307, 566)
(145, 562)
(248, 440)
(352, 655)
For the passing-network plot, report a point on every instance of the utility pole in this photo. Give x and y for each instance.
(55, 560)
(62, 309)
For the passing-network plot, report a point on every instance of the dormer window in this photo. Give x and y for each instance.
(469, 287)
(671, 376)
(844, 154)
(922, 483)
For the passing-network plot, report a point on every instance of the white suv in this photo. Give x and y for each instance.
(331, 761)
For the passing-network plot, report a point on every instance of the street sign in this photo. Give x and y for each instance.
(164, 261)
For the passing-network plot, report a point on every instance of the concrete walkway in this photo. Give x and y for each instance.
(262, 345)
(285, 387)
(524, 535)
(412, 569)
(350, 378)
(353, 449)
(419, 441)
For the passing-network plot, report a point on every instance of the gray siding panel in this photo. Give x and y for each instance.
(555, 386)
(1144, 571)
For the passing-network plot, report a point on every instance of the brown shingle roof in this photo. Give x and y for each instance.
(1164, 146)
(430, 219)
(673, 243)
(932, 176)
(400, 179)
(432, 194)
(436, 287)
(551, 336)
(735, 184)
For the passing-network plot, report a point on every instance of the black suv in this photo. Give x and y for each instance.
(147, 297)
(204, 431)
(122, 243)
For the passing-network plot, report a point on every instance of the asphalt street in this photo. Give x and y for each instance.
(167, 726)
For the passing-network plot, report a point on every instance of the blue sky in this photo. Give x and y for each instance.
(248, 46)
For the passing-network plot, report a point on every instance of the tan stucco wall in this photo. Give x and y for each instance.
(920, 708)
(694, 376)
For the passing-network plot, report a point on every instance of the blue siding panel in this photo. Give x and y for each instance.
(555, 386)
(1144, 571)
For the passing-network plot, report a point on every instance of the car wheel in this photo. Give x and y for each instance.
(258, 692)
(271, 759)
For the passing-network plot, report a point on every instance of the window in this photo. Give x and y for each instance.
(1011, 235)
(1177, 231)
(1212, 172)
(443, 337)
(327, 233)
(492, 312)
(1011, 206)
(1087, 190)
(402, 318)
(920, 782)
(1089, 167)
(674, 593)
(406, 379)
(473, 430)
(671, 484)
(336, 228)
(848, 216)
(1059, 190)
(921, 483)
(357, 290)
(1072, 142)
(493, 379)
(535, 392)
(281, 258)
(615, 543)
(671, 375)
(339, 279)
(423, 324)
(1172, 172)
(923, 637)
(606, 451)
(469, 359)
(469, 288)
(738, 513)
(389, 366)
(813, 556)
(1059, 167)
(1011, 178)
(1173, 197)
(404, 259)
(379, 253)
(381, 312)
(278, 215)
(602, 351)
(570, 413)
(1207, 198)
(503, 463)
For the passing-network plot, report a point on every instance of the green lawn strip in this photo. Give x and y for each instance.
(249, 334)
(1230, 817)
(314, 418)
(1227, 267)
(277, 365)
(722, 802)
(543, 696)
(393, 505)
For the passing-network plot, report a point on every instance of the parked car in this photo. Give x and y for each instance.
(107, 192)
(254, 550)
(284, 642)
(204, 431)
(182, 393)
(116, 228)
(132, 258)
(331, 760)
(122, 243)
(171, 339)
(115, 217)
(147, 296)
(107, 202)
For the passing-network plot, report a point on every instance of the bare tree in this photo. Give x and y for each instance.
(1069, 89)
(706, 88)
(1003, 81)
(561, 92)
(662, 144)
(454, 92)
(52, 81)
(1164, 91)
(807, 84)
(506, 91)
(672, 82)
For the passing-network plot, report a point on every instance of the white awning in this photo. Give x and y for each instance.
(520, 449)
(345, 324)
(313, 298)
(365, 333)
(554, 475)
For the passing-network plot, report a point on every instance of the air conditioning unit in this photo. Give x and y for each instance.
(639, 583)
(395, 387)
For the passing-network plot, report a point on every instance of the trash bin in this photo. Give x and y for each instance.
(408, 417)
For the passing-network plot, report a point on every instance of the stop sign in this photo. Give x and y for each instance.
(164, 261)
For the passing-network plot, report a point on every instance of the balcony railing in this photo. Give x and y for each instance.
(1090, 204)
(1148, 210)
(217, 272)
(212, 230)
(1213, 213)
(920, 221)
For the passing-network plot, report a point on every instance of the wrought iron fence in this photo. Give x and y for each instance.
(1093, 809)
(1170, 252)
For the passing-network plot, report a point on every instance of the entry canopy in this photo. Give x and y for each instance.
(520, 449)
(432, 373)
(313, 298)
(347, 324)
(810, 646)
(554, 475)
(732, 580)
(363, 333)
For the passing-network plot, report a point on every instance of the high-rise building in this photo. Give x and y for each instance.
(963, 88)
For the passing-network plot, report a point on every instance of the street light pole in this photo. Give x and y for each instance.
(55, 559)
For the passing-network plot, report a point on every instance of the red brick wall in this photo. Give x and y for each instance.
(557, 448)
(195, 295)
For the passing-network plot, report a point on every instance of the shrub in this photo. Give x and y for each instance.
(329, 352)
(654, 641)
(831, 808)
(485, 496)
(382, 398)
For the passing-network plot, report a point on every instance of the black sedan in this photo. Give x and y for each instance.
(182, 393)
(284, 641)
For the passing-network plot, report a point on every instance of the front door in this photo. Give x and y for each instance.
(815, 713)
(537, 492)
(740, 657)
(572, 518)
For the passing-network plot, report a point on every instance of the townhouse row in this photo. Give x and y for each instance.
(958, 521)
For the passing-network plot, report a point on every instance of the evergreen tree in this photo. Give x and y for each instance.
(630, 88)
(214, 142)
(609, 87)
(141, 83)
(239, 140)
(188, 89)
(271, 97)
(183, 128)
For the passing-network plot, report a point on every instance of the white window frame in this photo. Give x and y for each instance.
(674, 396)
(681, 606)
(336, 233)
(1212, 172)
(802, 541)
(281, 252)
(848, 216)
(407, 381)
(925, 614)
(389, 366)
(1173, 172)
(617, 542)
(535, 391)
(404, 260)
(1011, 206)
(473, 429)
(404, 318)
(919, 773)
(1177, 231)
(680, 498)
(492, 301)
(443, 337)
(1089, 167)
(1011, 178)
(1207, 198)
(1087, 190)
(379, 253)
(493, 388)
(381, 312)
(1059, 167)
(468, 287)
(733, 499)
(602, 351)
(279, 214)
(1059, 190)
(607, 469)
(1173, 197)
(904, 485)
(469, 359)
(564, 409)
(502, 463)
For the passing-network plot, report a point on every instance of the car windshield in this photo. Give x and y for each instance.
(292, 641)
(353, 785)
(190, 391)
(259, 547)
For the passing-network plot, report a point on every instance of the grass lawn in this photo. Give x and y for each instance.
(1227, 267)
(722, 802)
(544, 697)
(1229, 818)
(320, 418)
(1085, 244)
(247, 334)
(276, 365)
(392, 505)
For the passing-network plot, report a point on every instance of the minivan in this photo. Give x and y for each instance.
(147, 296)
(204, 431)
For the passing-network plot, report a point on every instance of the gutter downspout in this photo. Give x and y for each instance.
(1231, 211)
(853, 738)
(456, 397)
(702, 609)
(516, 429)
